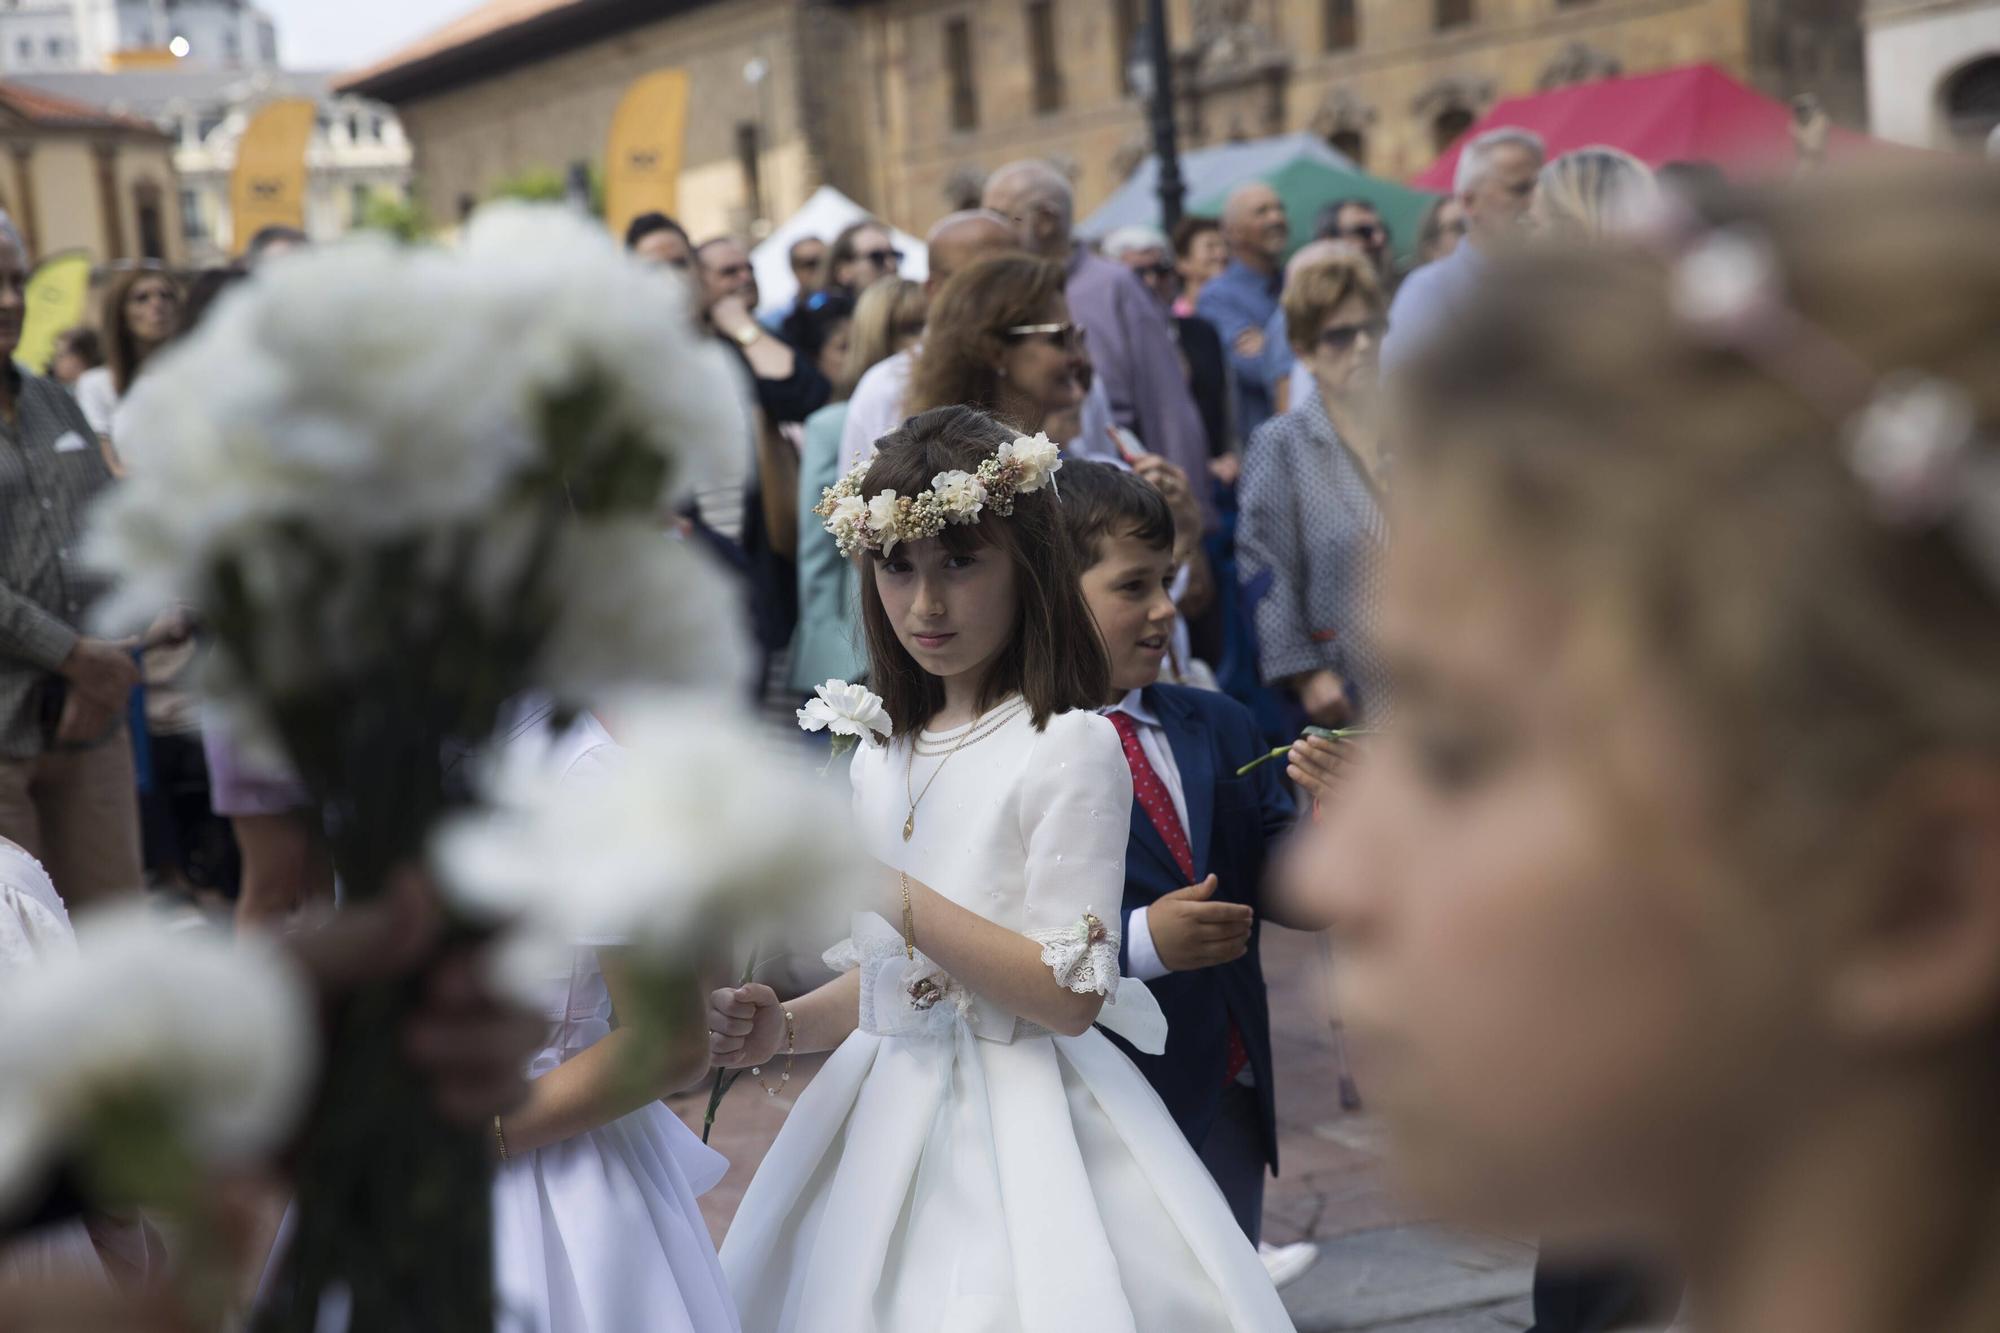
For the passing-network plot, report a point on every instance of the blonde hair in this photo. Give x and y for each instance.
(1317, 290)
(889, 308)
(1709, 504)
(1593, 193)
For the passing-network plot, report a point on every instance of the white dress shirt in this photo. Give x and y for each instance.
(1142, 958)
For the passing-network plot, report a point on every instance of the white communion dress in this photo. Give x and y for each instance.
(955, 1167)
(601, 1233)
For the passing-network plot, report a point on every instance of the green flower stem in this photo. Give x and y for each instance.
(725, 1079)
(1320, 733)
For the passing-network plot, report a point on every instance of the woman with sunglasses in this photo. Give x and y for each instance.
(141, 314)
(862, 253)
(1000, 339)
(1311, 522)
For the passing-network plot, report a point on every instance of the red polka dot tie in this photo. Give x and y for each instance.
(1152, 795)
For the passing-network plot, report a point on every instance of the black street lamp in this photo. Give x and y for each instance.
(1151, 70)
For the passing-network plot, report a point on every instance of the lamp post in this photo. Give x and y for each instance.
(1151, 70)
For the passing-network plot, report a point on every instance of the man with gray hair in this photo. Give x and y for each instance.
(68, 792)
(1495, 183)
(1241, 301)
(1131, 340)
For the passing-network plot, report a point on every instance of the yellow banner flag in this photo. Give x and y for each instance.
(57, 299)
(642, 160)
(268, 187)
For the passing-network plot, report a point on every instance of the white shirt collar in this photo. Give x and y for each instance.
(1134, 706)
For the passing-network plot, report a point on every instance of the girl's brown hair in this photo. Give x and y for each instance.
(121, 350)
(966, 336)
(1704, 496)
(1054, 657)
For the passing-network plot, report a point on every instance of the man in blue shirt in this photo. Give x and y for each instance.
(1496, 183)
(1240, 301)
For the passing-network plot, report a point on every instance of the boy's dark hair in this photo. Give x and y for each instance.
(1054, 657)
(647, 223)
(1100, 501)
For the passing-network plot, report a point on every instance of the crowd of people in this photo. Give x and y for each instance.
(1610, 569)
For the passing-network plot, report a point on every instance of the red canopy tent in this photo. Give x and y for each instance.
(1696, 112)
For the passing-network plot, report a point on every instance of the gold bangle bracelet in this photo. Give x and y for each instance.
(500, 1137)
(909, 920)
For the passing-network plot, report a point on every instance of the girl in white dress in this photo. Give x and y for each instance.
(596, 1224)
(975, 1157)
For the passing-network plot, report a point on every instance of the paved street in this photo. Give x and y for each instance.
(1378, 1269)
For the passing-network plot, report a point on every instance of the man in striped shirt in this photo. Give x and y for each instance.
(67, 789)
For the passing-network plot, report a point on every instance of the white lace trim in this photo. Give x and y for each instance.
(1084, 957)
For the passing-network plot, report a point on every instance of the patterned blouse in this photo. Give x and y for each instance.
(1309, 542)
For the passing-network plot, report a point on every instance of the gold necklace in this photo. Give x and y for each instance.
(974, 732)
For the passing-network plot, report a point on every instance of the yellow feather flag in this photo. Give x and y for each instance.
(642, 160)
(268, 187)
(58, 299)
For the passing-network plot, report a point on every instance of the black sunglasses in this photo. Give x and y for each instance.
(1368, 233)
(1342, 337)
(882, 259)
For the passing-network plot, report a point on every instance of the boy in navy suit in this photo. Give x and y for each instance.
(1200, 842)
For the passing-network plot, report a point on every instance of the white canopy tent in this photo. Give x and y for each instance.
(823, 216)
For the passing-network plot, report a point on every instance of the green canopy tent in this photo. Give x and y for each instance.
(1307, 185)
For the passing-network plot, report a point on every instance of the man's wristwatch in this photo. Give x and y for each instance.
(746, 336)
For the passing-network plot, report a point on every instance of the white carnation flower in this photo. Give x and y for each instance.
(1729, 277)
(846, 710)
(700, 826)
(882, 518)
(962, 494)
(219, 1035)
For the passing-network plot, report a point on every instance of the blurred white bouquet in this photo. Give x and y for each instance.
(144, 1060)
(401, 487)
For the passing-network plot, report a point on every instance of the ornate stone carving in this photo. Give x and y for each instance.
(1340, 111)
(1453, 92)
(1579, 62)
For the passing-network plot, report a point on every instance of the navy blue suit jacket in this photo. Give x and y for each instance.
(1233, 823)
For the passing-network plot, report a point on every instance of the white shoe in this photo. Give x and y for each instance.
(1288, 1263)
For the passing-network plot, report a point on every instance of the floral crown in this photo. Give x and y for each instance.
(1022, 466)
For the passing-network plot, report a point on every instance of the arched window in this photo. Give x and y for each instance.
(1971, 99)
(1353, 143)
(1450, 124)
(152, 223)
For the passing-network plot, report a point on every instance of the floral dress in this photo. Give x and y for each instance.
(956, 1167)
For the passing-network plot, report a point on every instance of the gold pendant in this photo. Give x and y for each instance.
(910, 826)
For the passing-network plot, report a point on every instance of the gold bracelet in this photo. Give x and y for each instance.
(500, 1138)
(909, 920)
(791, 1049)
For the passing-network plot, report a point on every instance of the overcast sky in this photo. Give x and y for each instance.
(345, 34)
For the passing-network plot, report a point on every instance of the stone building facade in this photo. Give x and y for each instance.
(906, 104)
(74, 177)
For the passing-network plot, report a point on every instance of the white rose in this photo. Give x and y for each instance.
(961, 494)
(1039, 458)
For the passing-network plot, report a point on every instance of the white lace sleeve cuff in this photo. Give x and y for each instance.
(1084, 957)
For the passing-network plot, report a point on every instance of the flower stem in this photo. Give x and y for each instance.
(1321, 733)
(725, 1079)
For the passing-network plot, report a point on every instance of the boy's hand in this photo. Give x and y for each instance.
(1189, 931)
(1317, 765)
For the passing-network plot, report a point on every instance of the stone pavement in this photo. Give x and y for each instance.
(1378, 1270)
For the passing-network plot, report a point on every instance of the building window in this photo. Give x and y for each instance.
(1353, 144)
(1042, 56)
(354, 129)
(1343, 25)
(1972, 103)
(54, 47)
(958, 71)
(1449, 127)
(24, 49)
(748, 151)
(358, 198)
(1452, 13)
(152, 226)
(1127, 21)
(192, 222)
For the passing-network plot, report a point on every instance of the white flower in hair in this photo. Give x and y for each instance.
(1038, 457)
(1727, 279)
(1910, 445)
(846, 710)
(882, 519)
(962, 494)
